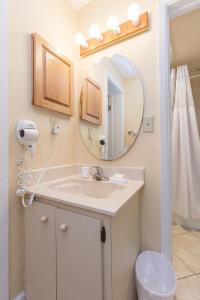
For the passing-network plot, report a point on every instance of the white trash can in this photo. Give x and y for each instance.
(155, 277)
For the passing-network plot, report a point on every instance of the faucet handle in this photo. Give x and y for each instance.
(99, 174)
(99, 169)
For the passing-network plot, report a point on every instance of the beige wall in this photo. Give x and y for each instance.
(143, 52)
(185, 40)
(56, 21)
(186, 48)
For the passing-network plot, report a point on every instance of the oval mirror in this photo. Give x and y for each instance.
(111, 107)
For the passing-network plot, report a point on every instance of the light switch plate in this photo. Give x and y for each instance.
(148, 124)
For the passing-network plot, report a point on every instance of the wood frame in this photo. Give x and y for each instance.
(48, 65)
(84, 115)
(128, 30)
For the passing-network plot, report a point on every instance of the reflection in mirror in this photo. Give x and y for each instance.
(111, 107)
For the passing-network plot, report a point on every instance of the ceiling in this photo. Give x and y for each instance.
(77, 4)
(185, 39)
(186, 6)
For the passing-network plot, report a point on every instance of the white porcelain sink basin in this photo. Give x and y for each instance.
(99, 196)
(89, 188)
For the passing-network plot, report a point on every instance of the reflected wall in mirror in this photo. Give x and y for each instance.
(111, 107)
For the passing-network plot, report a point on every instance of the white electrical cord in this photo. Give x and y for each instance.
(20, 185)
(44, 171)
(21, 178)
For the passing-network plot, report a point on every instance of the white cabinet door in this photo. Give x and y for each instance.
(40, 252)
(79, 257)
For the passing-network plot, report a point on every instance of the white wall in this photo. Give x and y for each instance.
(55, 21)
(3, 152)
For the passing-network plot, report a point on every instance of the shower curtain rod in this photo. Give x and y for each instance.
(194, 69)
(194, 72)
(190, 69)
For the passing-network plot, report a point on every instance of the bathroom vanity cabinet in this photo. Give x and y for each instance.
(77, 254)
(53, 74)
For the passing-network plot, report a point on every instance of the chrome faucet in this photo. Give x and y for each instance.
(98, 175)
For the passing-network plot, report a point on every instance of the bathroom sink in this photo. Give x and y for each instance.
(99, 196)
(89, 188)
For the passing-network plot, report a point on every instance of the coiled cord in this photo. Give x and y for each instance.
(23, 178)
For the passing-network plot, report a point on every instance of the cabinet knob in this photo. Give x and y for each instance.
(44, 219)
(63, 227)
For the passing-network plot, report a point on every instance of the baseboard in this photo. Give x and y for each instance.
(21, 296)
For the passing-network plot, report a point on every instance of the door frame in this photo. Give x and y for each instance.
(121, 93)
(167, 8)
(4, 200)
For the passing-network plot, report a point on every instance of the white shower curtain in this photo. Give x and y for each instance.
(185, 147)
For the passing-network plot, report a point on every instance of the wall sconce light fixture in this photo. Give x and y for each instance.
(134, 13)
(113, 24)
(136, 24)
(95, 32)
(80, 40)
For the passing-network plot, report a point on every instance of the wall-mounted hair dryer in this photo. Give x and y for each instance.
(27, 134)
(102, 143)
(102, 140)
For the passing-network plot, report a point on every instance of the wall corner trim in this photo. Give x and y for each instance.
(165, 135)
(4, 154)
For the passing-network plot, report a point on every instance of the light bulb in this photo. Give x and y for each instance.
(80, 40)
(113, 24)
(134, 13)
(95, 32)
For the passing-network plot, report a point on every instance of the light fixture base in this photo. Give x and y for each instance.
(127, 30)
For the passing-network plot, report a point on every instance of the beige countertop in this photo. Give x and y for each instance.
(99, 196)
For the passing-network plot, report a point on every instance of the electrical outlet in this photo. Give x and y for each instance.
(54, 126)
(148, 124)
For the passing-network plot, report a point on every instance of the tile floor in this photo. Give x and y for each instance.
(186, 260)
